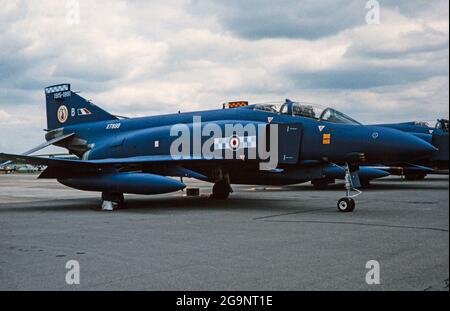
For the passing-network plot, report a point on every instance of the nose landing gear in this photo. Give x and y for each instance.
(348, 204)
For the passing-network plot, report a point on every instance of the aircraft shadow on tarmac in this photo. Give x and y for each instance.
(238, 201)
(149, 204)
(376, 186)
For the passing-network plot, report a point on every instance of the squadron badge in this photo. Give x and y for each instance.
(63, 114)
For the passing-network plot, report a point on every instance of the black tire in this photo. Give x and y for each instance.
(221, 191)
(353, 203)
(320, 184)
(346, 205)
(365, 183)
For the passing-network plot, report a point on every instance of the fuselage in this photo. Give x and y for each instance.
(152, 136)
(436, 136)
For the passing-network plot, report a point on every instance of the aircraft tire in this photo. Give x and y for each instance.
(365, 183)
(221, 191)
(346, 205)
(320, 184)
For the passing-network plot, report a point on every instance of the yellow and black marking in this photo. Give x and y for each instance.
(236, 104)
(326, 139)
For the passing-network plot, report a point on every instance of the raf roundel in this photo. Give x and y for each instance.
(63, 114)
(235, 142)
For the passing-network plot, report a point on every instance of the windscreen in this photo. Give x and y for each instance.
(320, 113)
(307, 110)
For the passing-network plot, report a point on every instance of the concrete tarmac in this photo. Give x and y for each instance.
(273, 238)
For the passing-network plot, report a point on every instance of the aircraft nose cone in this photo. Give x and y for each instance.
(394, 145)
(414, 147)
(427, 148)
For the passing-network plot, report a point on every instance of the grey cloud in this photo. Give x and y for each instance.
(365, 77)
(427, 40)
(309, 19)
(147, 58)
(417, 8)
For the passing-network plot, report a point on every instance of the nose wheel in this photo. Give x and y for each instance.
(346, 205)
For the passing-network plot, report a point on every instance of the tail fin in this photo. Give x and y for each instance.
(65, 107)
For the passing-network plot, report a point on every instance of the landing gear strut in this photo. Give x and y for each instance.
(112, 201)
(348, 204)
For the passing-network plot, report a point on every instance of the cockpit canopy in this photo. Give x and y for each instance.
(441, 124)
(307, 110)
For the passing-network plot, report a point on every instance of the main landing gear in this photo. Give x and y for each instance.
(222, 189)
(348, 204)
(112, 201)
(322, 184)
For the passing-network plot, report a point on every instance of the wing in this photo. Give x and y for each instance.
(64, 168)
(58, 162)
(50, 162)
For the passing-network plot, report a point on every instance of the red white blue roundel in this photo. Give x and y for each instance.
(235, 142)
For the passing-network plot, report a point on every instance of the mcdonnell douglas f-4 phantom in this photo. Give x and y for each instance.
(436, 163)
(240, 144)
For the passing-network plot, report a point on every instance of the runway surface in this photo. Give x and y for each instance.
(289, 238)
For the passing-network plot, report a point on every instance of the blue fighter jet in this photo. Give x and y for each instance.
(240, 144)
(435, 134)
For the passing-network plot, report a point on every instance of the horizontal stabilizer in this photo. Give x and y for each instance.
(48, 143)
(40, 147)
(22, 159)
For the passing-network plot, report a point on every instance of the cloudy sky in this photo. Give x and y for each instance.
(137, 58)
